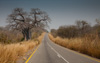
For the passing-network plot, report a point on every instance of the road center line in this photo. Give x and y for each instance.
(58, 53)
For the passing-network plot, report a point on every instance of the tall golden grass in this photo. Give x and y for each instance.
(9, 53)
(41, 37)
(89, 44)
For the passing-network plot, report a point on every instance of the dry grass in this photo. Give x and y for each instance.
(41, 37)
(90, 44)
(9, 53)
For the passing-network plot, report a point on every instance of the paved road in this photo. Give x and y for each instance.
(48, 52)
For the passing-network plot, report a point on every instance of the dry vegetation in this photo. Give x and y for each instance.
(80, 37)
(90, 44)
(9, 53)
(22, 26)
(10, 36)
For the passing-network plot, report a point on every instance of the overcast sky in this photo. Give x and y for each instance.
(61, 12)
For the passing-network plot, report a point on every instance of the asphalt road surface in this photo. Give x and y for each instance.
(49, 52)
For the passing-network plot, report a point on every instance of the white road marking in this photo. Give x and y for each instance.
(58, 53)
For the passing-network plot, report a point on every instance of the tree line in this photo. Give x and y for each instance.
(80, 29)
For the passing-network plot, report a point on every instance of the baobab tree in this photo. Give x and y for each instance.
(24, 21)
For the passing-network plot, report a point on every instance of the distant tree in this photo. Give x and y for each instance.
(54, 32)
(83, 27)
(97, 27)
(1, 28)
(98, 21)
(81, 24)
(24, 22)
(67, 31)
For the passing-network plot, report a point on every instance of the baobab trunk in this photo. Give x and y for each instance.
(26, 33)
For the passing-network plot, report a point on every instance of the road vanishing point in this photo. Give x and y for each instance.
(49, 52)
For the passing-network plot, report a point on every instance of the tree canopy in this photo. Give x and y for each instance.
(25, 21)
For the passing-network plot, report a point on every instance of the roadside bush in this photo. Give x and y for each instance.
(67, 31)
(9, 37)
(89, 44)
(54, 32)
